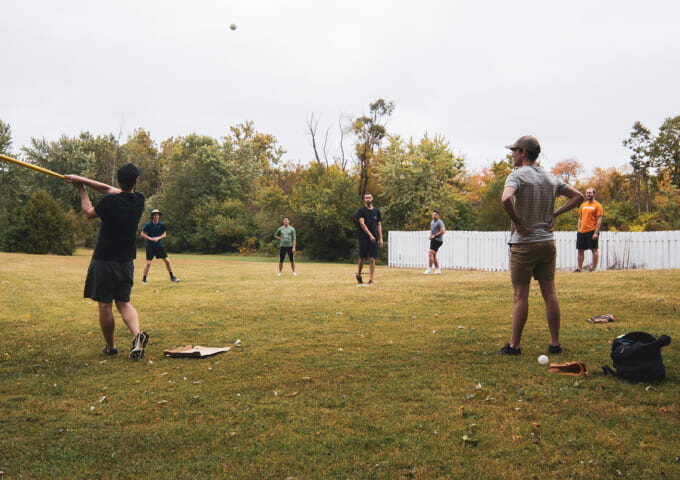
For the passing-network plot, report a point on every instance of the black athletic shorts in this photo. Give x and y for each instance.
(435, 244)
(367, 248)
(282, 254)
(156, 251)
(108, 281)
(584, 241)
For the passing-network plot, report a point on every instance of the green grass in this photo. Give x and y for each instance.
(332, 381)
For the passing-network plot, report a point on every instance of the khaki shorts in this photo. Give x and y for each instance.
(537, 259)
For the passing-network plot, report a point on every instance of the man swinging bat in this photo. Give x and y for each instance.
(111, 271)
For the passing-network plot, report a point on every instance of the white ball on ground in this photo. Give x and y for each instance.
(543, 359)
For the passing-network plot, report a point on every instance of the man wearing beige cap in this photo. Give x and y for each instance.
(529, 200)
(154, 231)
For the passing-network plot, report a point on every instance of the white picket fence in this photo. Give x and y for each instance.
(489, 250)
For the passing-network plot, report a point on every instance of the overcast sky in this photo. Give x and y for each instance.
(575, 74)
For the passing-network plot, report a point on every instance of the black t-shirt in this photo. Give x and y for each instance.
(371, 219)
(120, 214)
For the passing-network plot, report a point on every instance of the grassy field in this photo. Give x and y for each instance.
(399, 380)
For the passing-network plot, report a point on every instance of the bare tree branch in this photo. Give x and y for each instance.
(325, 143)
(311, 131)
(343, 161)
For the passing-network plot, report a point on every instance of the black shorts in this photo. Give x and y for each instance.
(108, 281)
(155, 251)
(584, 241)
(282, 254)
(435, 244)
(367, 248)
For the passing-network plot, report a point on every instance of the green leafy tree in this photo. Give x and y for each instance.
(44, 227)
(370, 132)
(195, 171)
(666, 148)
(198, 173)
(491, 215)
(13, 193)
(223, 226)
(141, 150)
(324, 205)
(5, 139)
(640, 144)
(416, 178)
(273, 201)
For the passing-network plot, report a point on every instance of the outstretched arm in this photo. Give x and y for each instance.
(81, 183)
(85, 202)
(100, 187)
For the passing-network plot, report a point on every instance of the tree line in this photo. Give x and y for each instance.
(230, 194)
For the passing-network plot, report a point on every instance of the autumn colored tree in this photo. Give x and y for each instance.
(568, 170)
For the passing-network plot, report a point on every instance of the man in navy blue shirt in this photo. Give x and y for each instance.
(154, 231)
(370, 236)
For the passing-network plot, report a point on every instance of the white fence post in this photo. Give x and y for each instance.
(489, 250)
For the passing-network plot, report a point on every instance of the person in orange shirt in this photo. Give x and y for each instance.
(589, 222)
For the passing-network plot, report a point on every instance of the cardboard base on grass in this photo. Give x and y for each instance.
(195, 351)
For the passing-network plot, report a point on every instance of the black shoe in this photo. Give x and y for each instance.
(174, 279)
(508, 350)
(138, 345)
(555, 349)
(113, 351)
(577, 271)
(359, 280)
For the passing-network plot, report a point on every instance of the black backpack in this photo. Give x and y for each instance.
(637, 357)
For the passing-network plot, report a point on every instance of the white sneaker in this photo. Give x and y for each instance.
(294, 273)
(278, 274)
(427, 272)
(438, 271)
(138, 346)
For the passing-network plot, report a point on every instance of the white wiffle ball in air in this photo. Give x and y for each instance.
(232, 26)
(543, 359)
